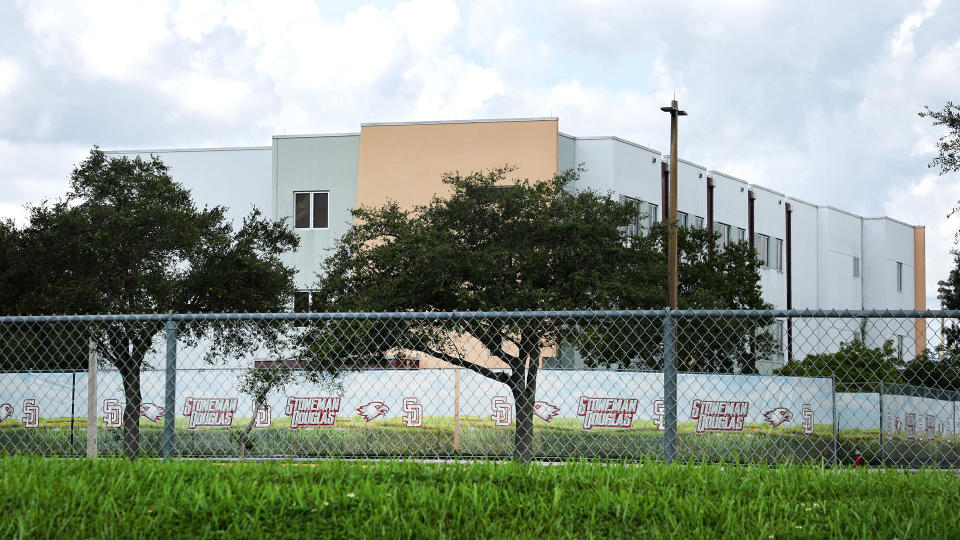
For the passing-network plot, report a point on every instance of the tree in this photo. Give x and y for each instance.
(941, 373)
(494, 245)
(948, 146)
(854, 367)
(127, 238)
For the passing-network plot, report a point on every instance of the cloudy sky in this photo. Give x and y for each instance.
(815, 99)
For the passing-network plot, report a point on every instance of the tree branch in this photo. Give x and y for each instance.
(482, 370)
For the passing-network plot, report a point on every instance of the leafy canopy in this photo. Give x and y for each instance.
(127, 238)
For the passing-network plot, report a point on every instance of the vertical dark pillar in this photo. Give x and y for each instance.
(750, 199)
(789, 248)
(665, 190)
(709, 203)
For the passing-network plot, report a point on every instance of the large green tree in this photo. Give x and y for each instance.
(496, 244)
(127, 238)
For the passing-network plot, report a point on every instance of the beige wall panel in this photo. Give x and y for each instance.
(920, 286)
(404, 162)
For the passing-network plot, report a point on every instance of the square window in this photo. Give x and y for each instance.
(724, 231)
(778, 253)
(301, 302)
(761, 243)
(311, 210)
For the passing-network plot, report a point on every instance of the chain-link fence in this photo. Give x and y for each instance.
(850, 387)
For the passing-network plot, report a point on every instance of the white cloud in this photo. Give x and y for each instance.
(10, 76)
(33, 172)
(453, 88)
(902, 43)
(216, 98)
(815, 100)
(194, 19)
(113, 39)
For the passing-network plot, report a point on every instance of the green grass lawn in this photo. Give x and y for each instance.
(561, 439)
(41, 498)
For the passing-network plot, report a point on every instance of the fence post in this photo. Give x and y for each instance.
(669, 387)
(836, 417)
(170, 397)
(92, 398)
(456, 409)
(883, 459)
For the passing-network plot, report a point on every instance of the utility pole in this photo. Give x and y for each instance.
(675, 112)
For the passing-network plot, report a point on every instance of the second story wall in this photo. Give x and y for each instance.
(404, 162)
(315, 165)
(804, 256)
(769, 224)
(839, 244)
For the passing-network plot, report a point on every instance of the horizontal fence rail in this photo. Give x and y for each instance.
(856, 387)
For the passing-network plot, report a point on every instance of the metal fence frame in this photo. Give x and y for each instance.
(669, 317)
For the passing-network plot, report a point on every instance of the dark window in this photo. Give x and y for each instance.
(302, 201)
(761, 243)
(320, 210)
(301, 301)
(899, 277)
(311, 210)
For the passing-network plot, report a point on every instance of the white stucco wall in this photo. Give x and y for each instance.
(769, 218)
(315, 163)
(238, 178)
(691, 189)
(729, 200)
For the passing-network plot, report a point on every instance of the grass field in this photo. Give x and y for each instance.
(44, 498)
(560, 439)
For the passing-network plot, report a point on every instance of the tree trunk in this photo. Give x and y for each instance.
(523, 436)
(130, 374)
(244, 437)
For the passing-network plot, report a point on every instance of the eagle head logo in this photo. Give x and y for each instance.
(372, 410)
(545, 410)
(778, 416)
(151, 411)
(6, 411)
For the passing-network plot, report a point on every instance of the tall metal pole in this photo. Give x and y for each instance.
(92, 398)
(675, 112)
(669, 388)
(170, 397)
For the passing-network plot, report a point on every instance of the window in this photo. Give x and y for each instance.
(741, 235)
(311, 209)
(899, 277)
(634, 228)
(683, 219)
(724, 231)
(761, 243)
(778, 257)
(653, 214)
(302, 300)
(900, 346)
(698, 222)
(856, 267)
(776, 330)
(647, 217)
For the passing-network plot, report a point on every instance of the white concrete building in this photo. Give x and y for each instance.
(815, 257)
